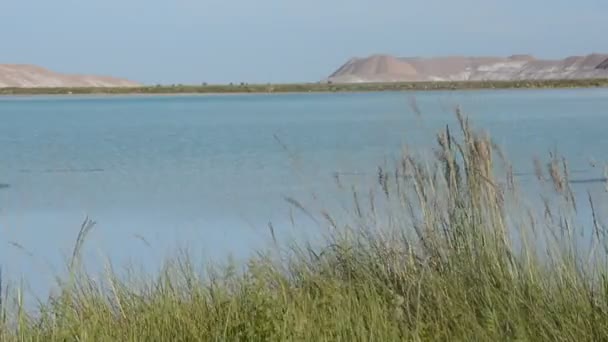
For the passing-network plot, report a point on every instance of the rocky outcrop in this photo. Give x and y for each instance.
(31, 76)
(384, 68)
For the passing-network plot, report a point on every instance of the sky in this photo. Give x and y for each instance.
(222, 41)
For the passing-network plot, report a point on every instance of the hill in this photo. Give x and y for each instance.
(385, 68)
(31, 76)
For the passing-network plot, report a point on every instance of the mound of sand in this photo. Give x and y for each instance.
(384, 68)
(31, 76)
(377, 67)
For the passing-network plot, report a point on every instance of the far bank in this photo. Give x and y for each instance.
(245, 88)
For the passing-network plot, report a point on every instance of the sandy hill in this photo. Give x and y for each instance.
(384, 68)
(31, 76)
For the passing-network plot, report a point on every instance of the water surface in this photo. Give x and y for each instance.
(210, 172)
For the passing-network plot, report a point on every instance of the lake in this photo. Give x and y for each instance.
(208, 173)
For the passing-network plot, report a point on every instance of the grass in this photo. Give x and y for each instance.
(441, 250)
(310, 87)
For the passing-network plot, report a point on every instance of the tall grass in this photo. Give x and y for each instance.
(441, 250)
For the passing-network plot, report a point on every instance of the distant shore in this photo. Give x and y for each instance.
(244, 88)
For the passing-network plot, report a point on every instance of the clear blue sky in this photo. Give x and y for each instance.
(220, 41)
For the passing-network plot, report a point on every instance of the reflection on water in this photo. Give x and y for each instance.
(589, 180)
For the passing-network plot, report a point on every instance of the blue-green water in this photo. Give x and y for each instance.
(210, 172)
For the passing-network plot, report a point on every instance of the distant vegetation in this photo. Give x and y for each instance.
(310, 87)
(439, 251)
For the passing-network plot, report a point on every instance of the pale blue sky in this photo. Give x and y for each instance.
(220, 41)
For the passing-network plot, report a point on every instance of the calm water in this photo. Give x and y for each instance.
(209, 172)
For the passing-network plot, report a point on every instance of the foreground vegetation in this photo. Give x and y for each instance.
(439, 251)
(310, 87)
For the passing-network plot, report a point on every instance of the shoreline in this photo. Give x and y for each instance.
(303, 88)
